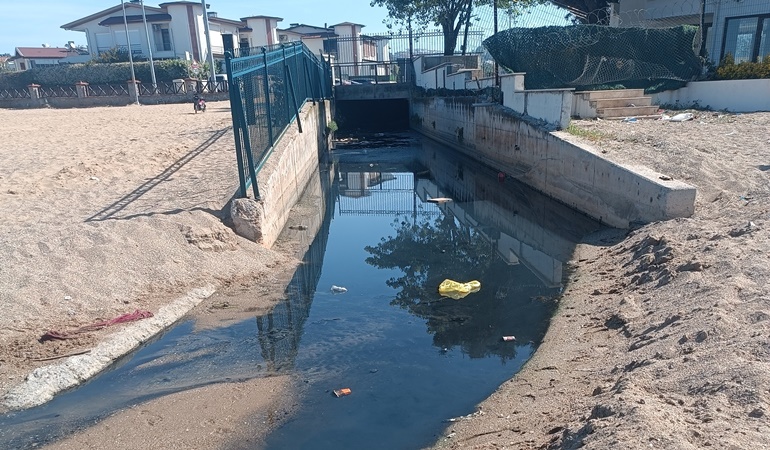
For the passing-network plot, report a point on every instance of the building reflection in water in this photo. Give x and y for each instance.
(489, 220)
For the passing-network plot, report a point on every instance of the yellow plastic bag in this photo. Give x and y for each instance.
(457, 290)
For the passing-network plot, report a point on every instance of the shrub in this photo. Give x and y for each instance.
(96, 73)
(728, 70)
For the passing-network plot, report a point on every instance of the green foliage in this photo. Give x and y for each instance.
(113, 55)
(591, 135)
(95, 73)
(450, 15)
(331, 127)
(747, 70)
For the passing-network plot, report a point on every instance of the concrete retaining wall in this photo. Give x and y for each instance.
(289, 168)
(574, 174)
(726, 95)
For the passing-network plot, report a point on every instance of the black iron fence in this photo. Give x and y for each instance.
(58, 91)
(383, 58)
(267, 89)
(181, 88)
(14, 93)
(107, 90)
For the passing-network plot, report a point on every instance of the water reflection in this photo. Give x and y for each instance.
(391, 338)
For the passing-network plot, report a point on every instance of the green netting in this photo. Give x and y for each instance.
(582, 56)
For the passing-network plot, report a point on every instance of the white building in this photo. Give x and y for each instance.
(26, 58)
(176, 30)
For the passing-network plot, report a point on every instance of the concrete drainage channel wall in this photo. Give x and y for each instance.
(284, 176)
(572, 173)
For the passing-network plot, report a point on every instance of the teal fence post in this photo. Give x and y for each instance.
(308, 78)
(285, 85)
(268, 109)
(236, 114)
(294, 97)
(297, 73)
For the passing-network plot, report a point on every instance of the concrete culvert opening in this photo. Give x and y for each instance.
(354, 116)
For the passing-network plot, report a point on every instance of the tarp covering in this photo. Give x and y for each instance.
(582, 56)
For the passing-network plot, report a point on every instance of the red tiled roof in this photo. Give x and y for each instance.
(43, 52)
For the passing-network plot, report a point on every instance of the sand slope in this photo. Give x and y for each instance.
(662, 339)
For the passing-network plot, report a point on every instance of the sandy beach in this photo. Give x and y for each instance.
(661, 338)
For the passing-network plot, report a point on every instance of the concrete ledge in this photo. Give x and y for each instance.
(727, 95)
(43, 383)
(569, 172)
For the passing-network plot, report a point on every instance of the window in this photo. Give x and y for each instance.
(747, 38)
(330, 46)
(162, 37)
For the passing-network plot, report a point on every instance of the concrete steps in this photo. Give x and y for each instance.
(626, 111)
(613, 104)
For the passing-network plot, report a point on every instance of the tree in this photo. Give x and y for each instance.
(587, 11)
(450, 15)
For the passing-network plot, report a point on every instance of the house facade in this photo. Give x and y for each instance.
(26, 58)
(175, 29)
(738, 27)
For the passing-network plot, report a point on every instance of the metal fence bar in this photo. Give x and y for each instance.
(270, 136)
(290, 85)
(236, 117)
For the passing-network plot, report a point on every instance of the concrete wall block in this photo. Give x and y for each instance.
(574, 174)
(288, 170)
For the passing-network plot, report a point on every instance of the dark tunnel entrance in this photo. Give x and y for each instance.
(367, 116)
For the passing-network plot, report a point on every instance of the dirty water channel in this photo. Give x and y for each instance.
(412, 359)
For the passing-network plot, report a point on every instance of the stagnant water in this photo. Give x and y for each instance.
(411, 358)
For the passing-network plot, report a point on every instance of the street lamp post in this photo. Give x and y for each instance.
(213, 75)
(149, 49)
(130, 56)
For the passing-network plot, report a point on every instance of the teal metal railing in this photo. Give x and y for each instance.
(268, 87)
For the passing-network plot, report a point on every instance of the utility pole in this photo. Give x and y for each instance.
(703, 50)
(497, 75)
(130, 55)
(149, 48)
(213, 75)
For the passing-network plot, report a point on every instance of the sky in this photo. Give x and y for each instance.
(37, 22)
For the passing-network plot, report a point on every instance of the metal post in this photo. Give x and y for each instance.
(130, 56)
(309, 85)
(285, 85)
(703, 50)
(149, 49)
(295, 56)
(293, 97)
(268, 109)
(411, 44)
(236, 111)
(497, 75)
(213, 75)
